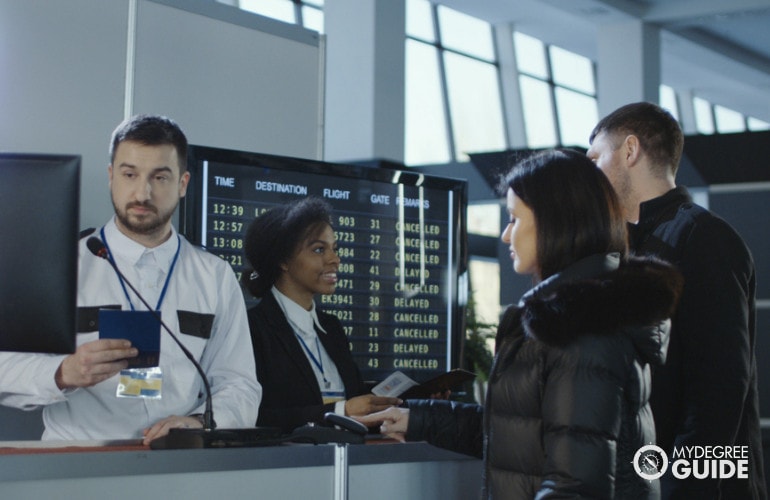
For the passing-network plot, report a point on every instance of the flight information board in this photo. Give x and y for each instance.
(396, 293)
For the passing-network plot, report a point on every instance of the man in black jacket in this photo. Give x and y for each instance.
(706, 394)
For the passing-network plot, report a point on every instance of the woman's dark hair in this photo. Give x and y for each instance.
(274, 236)
(576, 211)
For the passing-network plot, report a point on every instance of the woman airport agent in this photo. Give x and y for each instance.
(567, 403)
(302, 354)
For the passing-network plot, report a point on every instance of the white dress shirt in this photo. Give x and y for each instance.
(201, 283)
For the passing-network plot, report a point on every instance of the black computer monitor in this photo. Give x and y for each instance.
(38, 252)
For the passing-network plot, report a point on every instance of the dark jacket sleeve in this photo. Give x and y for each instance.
(447, 424)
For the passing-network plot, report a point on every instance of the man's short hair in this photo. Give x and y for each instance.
(151, 130)
(659, 134)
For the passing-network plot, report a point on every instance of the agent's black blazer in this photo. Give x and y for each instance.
(290, 393)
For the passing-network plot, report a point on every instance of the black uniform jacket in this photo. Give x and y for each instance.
(290, 393)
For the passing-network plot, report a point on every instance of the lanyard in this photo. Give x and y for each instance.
(316, 361)
(123, 285)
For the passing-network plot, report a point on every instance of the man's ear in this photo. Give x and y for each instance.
(632, 150)
(183, 181)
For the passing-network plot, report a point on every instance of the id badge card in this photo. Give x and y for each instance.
(140, 383)
(332, 396)
(141, 328)
(143, 378)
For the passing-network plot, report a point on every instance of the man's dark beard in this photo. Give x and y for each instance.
(151, 226)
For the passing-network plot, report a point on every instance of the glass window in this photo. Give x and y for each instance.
(572, 70)
(538, 112)
(313, 19)
(469, 87)
(485, 287)
(318, 3)
(728, 120)
(558, 93)
(578, 115)
(419, 20)
(530, 55)
(474, 105)
(755, 124)
(704, 120)
(283, 10)
(668, 100)
(484, 219)
(465, 34)
(425, 129)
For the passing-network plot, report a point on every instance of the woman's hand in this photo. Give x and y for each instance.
(368, 403)
(394, 422)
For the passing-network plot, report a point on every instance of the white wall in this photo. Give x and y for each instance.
(72, 70)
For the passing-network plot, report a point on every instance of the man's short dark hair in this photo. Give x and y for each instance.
(151, 130)
(659, 134)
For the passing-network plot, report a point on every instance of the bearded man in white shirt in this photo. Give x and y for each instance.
(196, 293)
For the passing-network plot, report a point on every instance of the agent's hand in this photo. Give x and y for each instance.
(368, 403)
(394, 422)
(94, 362)
(162, 427)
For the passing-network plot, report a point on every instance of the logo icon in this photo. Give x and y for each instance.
(650, 462)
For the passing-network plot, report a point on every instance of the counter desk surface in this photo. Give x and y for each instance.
(127, 470)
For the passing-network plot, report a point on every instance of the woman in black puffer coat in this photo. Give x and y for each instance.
(567, 403)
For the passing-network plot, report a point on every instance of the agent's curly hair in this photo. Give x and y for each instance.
(274, 236)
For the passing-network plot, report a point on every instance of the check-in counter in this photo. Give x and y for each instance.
(382, 470)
